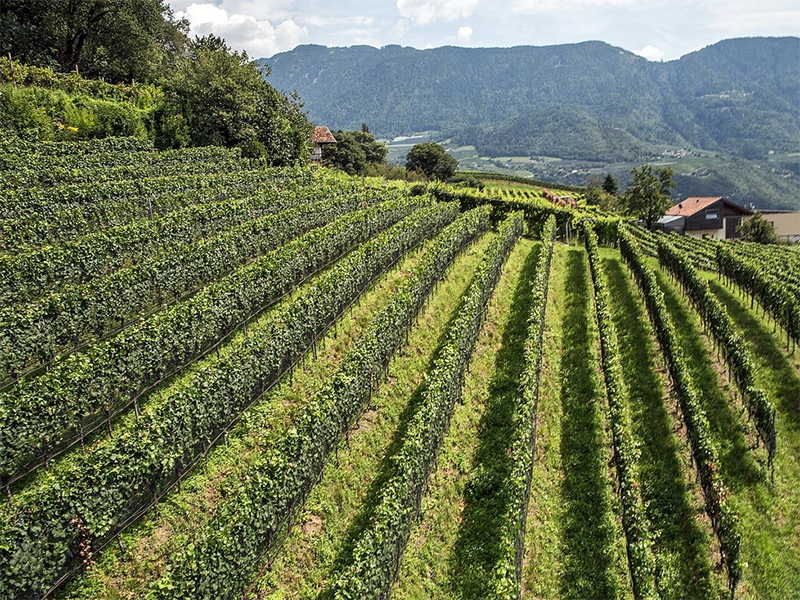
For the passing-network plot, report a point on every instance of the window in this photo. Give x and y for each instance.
(712, 214)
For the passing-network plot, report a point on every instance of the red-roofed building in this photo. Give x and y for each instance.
(322, 136)
(710, 216)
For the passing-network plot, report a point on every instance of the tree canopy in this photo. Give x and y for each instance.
(219, 97)
(354, 151)
(432, 160)
(756, 228)
(648, 196)
(119, 40)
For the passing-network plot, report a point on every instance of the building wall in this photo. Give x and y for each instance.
(717, 234)
(786, 224)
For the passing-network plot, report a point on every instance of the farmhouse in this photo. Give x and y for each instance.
(322, 135)
(714, 217)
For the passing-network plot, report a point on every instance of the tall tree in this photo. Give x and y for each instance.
(610, 185)
(219, 97)
(648, 197)
(119, 40)
(353, 151)
(432, 160)
(757, 229)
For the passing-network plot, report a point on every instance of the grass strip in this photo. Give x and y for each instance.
(225, 556)
(373, 565)
(641, 561)
(724, 518)
(43, 538)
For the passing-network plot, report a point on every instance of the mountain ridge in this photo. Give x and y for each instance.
(737, 98)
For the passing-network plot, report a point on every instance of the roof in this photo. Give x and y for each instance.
(690, 206)
(323, 135)
(694, 204)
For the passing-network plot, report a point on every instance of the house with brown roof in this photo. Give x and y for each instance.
(711, 216)
(322, 136)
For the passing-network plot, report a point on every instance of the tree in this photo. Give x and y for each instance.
(648, 197)
(118, 40)
(757, 229)
(346, 154)
(432, 160)
(219, 97)
(610, 185)
(353, 151)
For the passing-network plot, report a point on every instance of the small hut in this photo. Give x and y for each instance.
(322, 136)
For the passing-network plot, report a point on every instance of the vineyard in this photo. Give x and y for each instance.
(222, 380)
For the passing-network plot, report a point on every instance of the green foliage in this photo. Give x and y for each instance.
(648, 197)
(724, 518)
(610, 185)
(756, 228)
(736, 355)
(53, 521)
(119, 40)
(432, 160)
(225, 553)
(370, 570)
(218, 96)
(504, 583)
(57, 115)
(353, 152)
(641, 560)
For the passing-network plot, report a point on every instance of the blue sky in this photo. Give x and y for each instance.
(656, 29)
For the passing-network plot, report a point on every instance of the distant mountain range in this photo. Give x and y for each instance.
(590, 101)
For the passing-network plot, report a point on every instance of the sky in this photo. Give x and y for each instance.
(655, 29)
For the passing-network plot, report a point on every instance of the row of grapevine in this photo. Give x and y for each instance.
(641, 561)
(47, 171)
(719, 323)
(250, 520)
(38, 332)
(28, 232)
(724, 518)
(88, 499)
(646, 239)
(30, 273)
(701, 252)
(50, 412)
(507, 572)
(17, 146)
(373, 565)
(779, 261)
(771, 293)
(82, 208)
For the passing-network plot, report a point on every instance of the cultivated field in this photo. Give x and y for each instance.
(227, 381)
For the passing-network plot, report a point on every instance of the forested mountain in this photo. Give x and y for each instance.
(739, 96)
(594, 105)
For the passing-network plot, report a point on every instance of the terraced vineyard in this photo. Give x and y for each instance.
(226, 381)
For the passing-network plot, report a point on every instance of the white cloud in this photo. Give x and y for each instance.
(425, 12)
(464, 34)
(401, 27)
(243, 32)
(535, 6)
(650, 53)
(320, 21)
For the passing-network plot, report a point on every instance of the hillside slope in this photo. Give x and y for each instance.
(602, 106)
